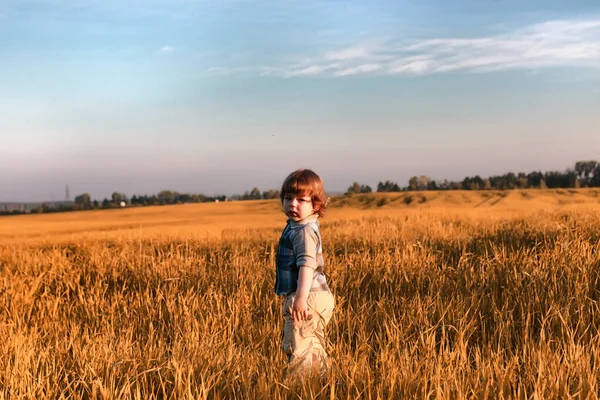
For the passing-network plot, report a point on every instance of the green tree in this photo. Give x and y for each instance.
(413, 183)
(534, 179)
(595, 179)
(117, 198)
(255, 194)
(271, 194)
(365, 189)
(355, 188)
(358, 188)
(423, 182)
(167, 197)
(474, 183)
(84, 201)
(521, 180)
(432, 185)
(585, 171)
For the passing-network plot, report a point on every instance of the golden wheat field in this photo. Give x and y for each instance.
(444, 295)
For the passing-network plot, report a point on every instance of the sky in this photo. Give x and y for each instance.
(218, 97)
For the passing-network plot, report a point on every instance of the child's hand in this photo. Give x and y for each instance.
(299, 309)
(304, 281)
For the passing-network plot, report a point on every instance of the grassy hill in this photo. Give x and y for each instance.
(212, 219)
(471, 198)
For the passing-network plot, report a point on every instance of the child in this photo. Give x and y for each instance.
(308, 304)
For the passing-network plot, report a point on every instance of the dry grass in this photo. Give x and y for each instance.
(443, 300)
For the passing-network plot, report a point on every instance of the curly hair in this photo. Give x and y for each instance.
(304, 182)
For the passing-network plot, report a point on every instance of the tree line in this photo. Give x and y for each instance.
(84, 201)
(584, 174)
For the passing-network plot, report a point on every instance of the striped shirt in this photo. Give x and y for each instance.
(300, 246)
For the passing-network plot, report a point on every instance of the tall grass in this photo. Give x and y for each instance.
(427, 307)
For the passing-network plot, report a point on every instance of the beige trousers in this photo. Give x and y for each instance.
(304, 341)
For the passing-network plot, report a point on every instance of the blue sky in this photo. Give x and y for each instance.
(217, 97)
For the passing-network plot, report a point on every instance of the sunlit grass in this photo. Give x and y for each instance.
(432, 302)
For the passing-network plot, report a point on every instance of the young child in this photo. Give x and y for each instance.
(308, 304)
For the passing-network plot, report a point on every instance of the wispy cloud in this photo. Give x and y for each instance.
(347, 54)
(166, 50)
(542, 45)
(359, 69)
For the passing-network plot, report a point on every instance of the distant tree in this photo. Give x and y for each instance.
(571, 177)
(167, 197)
(355, 188)
(199, 198)
(466, 184)
(534, 179)
(511, 180)
(388, 186)
(413, 183)
(255, 194)
(585, 171)
(444, 185)
(12, 212)
(474, 183)
(521, 182)
(420, 183)
(83, 201)
(503, 182)
(117, 198)
(140, 200)
(184, 198)
(595, 178)
(432, 185)
(358, 188)
(271, 194)
(423, 182)
(557, 179)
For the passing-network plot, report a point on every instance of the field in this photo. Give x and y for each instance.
(439, 295)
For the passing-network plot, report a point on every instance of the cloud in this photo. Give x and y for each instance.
(547, 44)
(361, 69)
(347, 54)
(166, 50)
(312, 70)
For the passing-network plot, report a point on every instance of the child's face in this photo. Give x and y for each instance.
(297, 207)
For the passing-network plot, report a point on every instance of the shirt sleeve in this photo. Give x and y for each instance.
(305, 243)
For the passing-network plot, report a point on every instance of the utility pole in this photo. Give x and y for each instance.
(67, 194)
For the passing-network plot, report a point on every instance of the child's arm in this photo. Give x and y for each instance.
(305, 247)
(305, 277)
